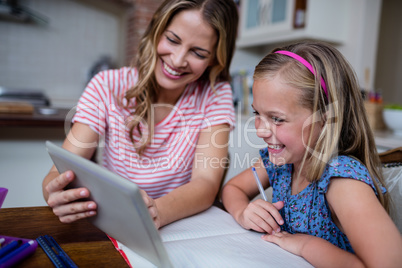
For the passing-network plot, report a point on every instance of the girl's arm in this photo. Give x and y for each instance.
(374, 237)
(81, 140)
(372, 233)
(257, 215)
(207, 174)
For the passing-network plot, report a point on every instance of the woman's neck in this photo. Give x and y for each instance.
(164, 103)
(169, 97)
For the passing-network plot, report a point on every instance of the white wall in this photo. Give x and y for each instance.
(57, 57)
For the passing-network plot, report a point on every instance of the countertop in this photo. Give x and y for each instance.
(56, 117)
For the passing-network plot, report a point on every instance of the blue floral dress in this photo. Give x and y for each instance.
(308, 212)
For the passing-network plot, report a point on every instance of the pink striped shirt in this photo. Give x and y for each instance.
(167, 162)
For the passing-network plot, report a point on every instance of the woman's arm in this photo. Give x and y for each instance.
(259, 215)
(81, 140)
(208, 167)
(374, 237)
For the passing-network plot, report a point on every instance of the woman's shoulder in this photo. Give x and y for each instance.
(114, 81)
(115, 77)
(201, 94)
(344, 166)
(205, 87)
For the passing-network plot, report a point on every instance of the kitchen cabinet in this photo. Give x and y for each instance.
(264, 22)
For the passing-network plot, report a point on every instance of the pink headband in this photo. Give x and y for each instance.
(305, 63)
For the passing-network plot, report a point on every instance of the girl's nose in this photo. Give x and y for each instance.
(263, 128)
(264, 132)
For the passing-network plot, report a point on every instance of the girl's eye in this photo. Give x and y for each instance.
(255, 112)
(277, 120)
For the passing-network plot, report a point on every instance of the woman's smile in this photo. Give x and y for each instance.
(170, 72)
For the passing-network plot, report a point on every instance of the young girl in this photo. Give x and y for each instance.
(329, 204)
(163, 119)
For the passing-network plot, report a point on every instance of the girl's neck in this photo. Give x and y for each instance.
(298, 184)
(299, 179)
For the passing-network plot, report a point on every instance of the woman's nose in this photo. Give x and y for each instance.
(179, 58)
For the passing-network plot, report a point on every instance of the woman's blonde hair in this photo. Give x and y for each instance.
(221, 15)
(345, 130)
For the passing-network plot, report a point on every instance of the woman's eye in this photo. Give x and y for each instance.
(171, 40)
(199, 55)
(255, 112)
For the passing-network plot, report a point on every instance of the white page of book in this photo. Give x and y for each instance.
(211, 222)
(214, 239)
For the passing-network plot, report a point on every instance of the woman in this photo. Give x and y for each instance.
(166, 121)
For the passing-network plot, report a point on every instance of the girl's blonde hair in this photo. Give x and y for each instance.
(221, 15)
(346, 130)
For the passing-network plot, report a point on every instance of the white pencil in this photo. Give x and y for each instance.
(262, 192)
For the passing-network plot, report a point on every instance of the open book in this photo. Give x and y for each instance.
(214, 239)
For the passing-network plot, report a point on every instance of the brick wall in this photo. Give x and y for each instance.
(139, 16)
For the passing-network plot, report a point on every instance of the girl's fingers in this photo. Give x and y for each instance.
(275, 213)
(269, 218)
(260, 225)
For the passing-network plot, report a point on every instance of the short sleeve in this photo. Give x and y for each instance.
(102, 95)
(346, 167)
(219, 107)
(91, 108)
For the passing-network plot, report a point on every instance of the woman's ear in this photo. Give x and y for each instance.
(213, 61)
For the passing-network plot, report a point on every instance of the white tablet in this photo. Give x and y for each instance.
(122, 213)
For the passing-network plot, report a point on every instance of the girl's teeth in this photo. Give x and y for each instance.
(277, 147)
(170, 70)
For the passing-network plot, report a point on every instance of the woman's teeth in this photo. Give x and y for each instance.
(170, 70)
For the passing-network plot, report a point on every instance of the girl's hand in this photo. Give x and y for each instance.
(293, 243)
(65, 203)
(152, 209)
(262, 216)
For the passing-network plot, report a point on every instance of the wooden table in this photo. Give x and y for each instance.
(86, 245)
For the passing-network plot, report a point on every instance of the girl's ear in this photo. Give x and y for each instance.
(323, 120)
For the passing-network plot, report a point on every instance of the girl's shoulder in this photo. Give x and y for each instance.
(344, 166)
